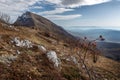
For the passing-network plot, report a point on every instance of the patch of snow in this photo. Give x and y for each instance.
(53, 57)
(42, 48)
(22, 43)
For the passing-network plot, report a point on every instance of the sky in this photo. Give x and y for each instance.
(68, 13)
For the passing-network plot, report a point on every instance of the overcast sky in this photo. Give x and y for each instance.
(68, 12)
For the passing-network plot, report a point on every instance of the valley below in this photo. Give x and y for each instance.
(110, 48)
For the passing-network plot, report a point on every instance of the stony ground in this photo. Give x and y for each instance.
(26, 54)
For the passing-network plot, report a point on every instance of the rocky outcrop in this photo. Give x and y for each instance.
(21, 43)
(7, 58)
(52, 56)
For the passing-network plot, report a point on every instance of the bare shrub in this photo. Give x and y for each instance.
(88, 46)
(4, 18)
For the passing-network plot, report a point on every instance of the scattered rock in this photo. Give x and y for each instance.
(7, 58)
(11, 26)
(83, 66)
(42, 48)
(53, 57)
(21, 43)
(74, 59)
(68, 59)
(18, 52)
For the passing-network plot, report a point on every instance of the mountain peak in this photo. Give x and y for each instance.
(25, 20)
(44, 25)
(26, 15)
(28, 12)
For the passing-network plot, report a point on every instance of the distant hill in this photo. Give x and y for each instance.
(110, 48)
(110, 35)
(44, 26)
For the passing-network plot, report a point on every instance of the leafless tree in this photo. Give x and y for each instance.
(88, 46)
(4, 18)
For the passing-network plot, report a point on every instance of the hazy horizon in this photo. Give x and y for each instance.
(92, 27)
(110, 35)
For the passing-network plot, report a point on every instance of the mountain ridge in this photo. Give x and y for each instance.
(44, 26)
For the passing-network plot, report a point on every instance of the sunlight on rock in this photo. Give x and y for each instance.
(21, 43)
(7, 58)
(18, 52)
(74, 59)
(42, 48)
(53, 57)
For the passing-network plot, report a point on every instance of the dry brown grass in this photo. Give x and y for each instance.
(33, 64)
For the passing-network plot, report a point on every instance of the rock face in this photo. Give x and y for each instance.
(25, 20)
(44, 25)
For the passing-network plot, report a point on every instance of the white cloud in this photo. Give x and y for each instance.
(16, 7)
(36, 7)
(55, 11)
(68, 5)
(56, 14)
(76, 3)
(54, 1)
(62, 17)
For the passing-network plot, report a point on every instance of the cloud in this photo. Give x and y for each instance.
(62, 17)
(16, 7)
(76, 3)
(63, 6)
(36, 7)
(56, 11)
(56, 14)
(54, 1)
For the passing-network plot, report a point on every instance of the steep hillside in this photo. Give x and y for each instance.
(27, 54)
(44, 26)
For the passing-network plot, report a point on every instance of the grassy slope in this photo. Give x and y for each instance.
(32, 64)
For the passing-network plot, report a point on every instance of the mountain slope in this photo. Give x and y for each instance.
(44, 26)
(25, 55)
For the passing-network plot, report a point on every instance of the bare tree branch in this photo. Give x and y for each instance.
(4, 18)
